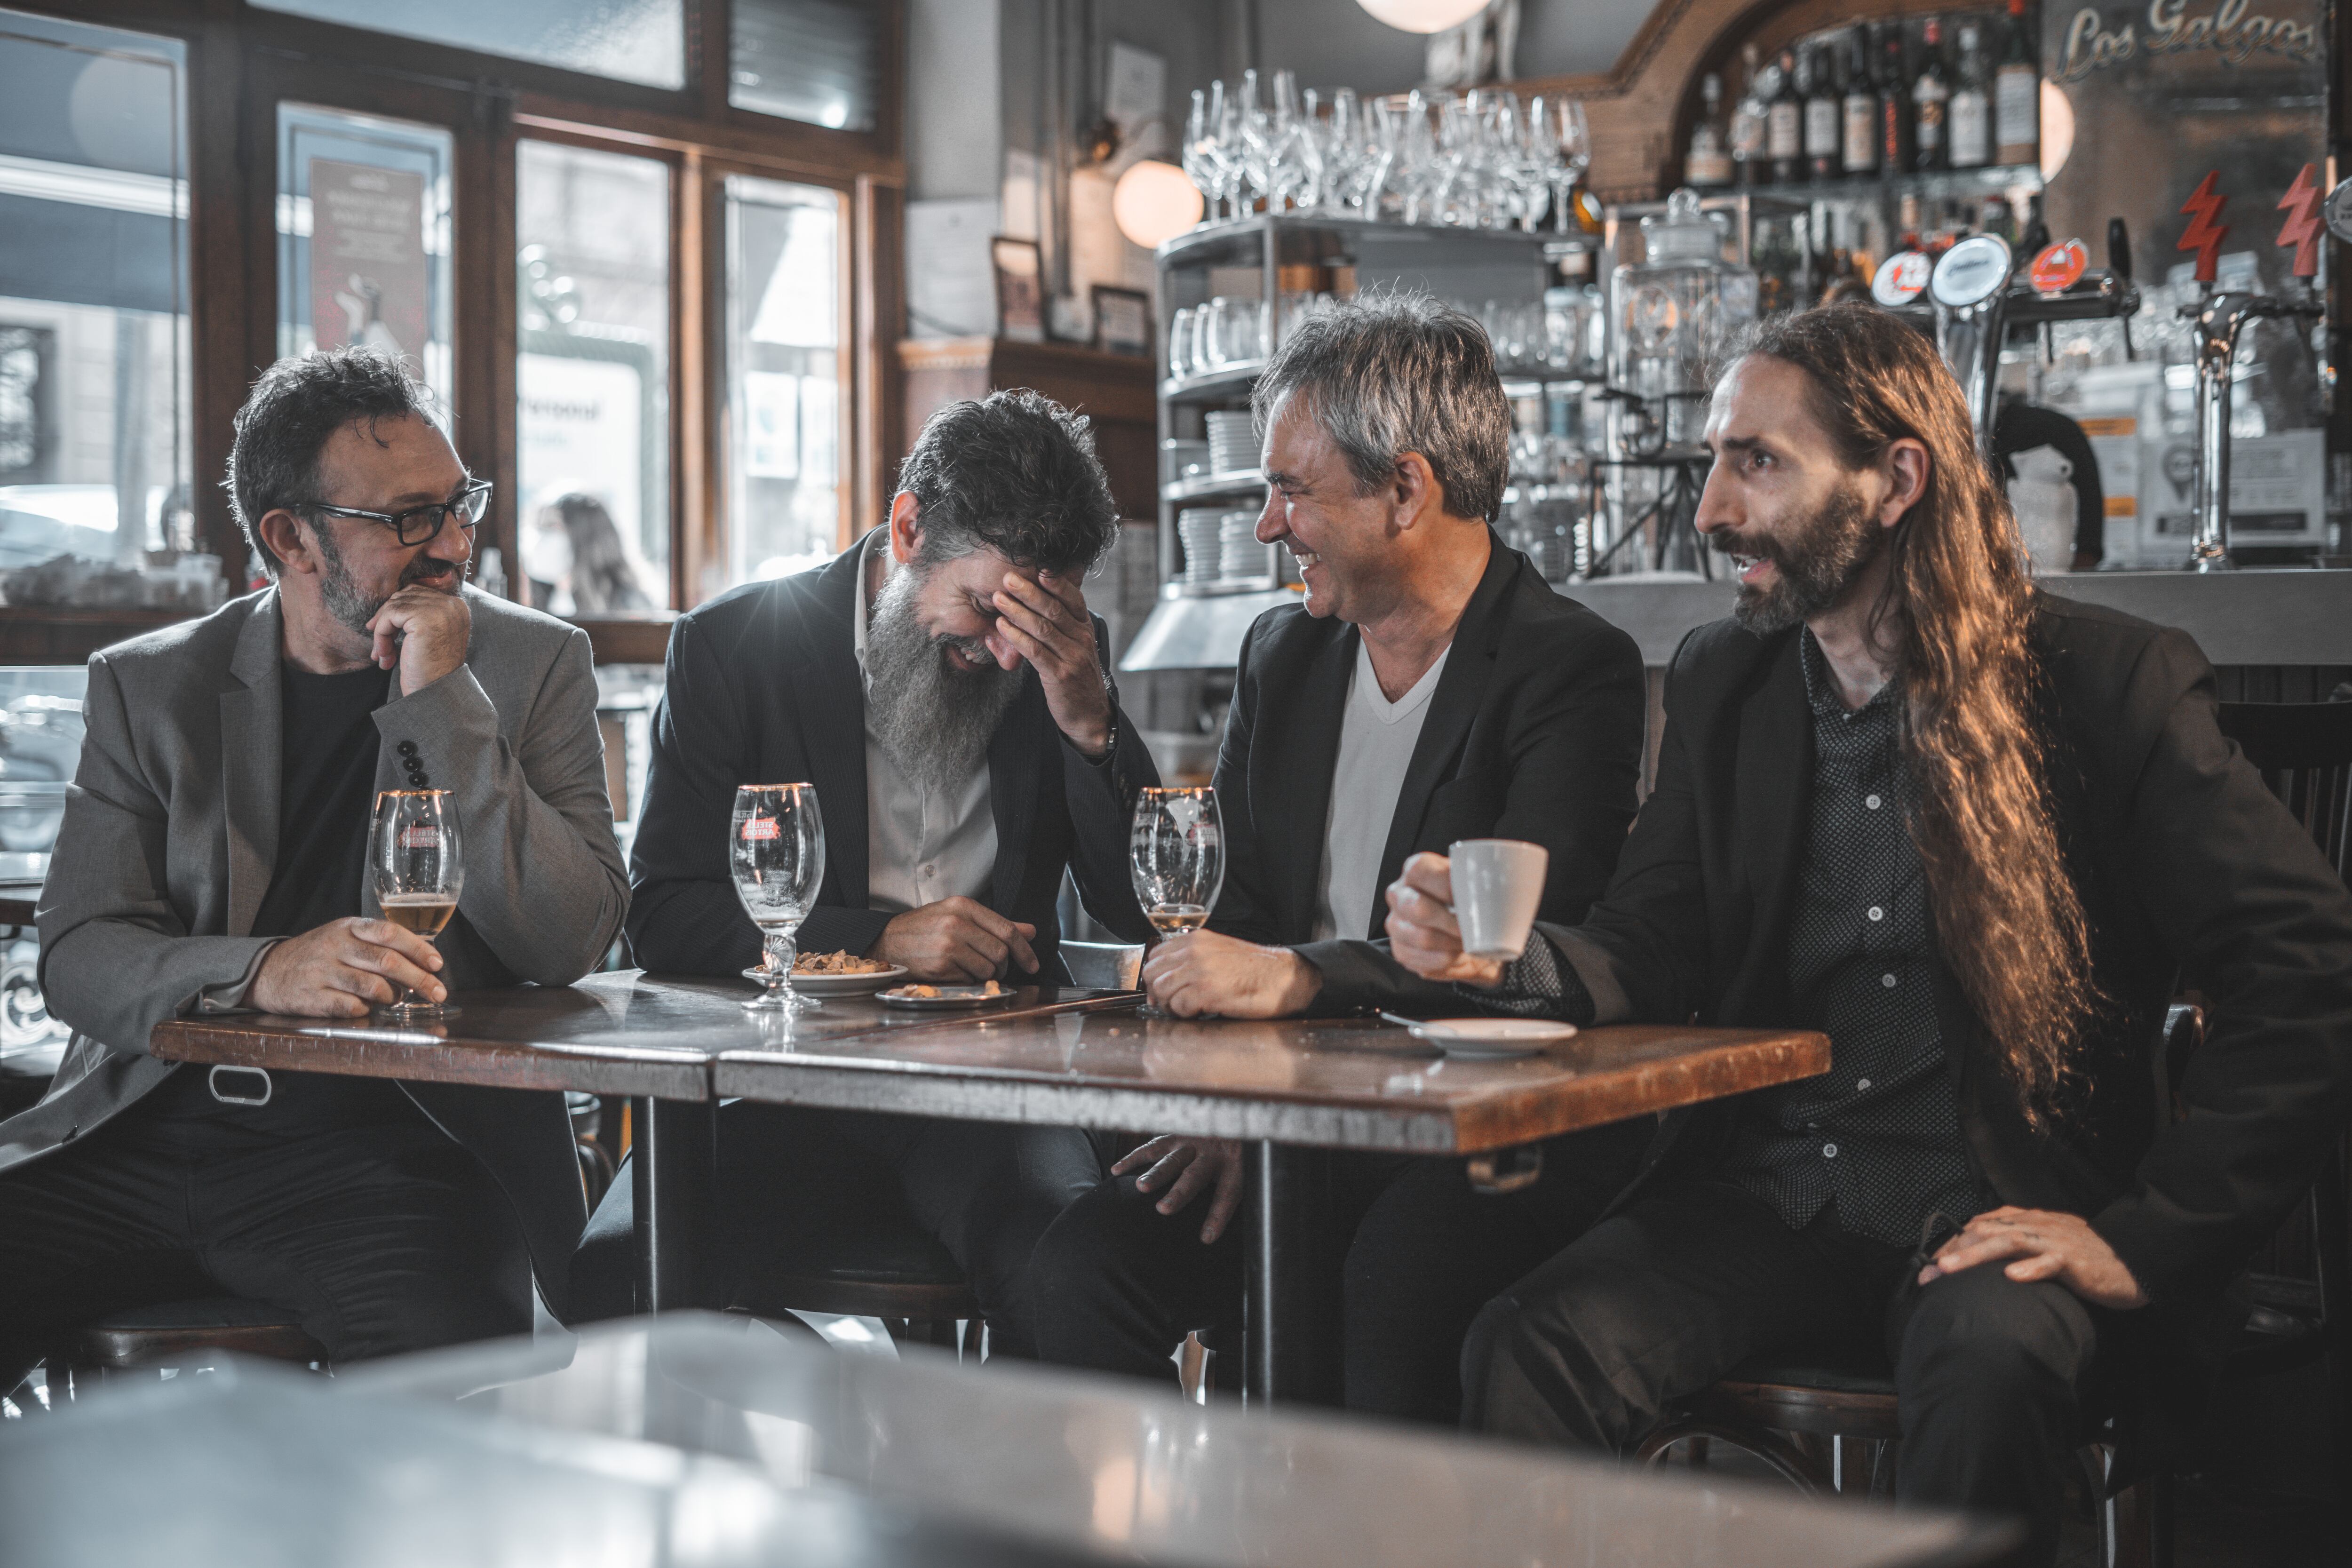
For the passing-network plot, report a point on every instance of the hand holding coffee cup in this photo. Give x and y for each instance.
(1462, 917)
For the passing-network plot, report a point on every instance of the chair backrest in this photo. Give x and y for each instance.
(2304, 752)
(1105, 965)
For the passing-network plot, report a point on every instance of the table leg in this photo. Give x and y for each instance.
(1289, 1351)
(675, 1145)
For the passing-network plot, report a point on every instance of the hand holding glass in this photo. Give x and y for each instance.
(416, 869)
(775, 852)
(1176, 851)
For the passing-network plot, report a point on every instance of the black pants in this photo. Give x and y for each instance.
(1656, 1302)
(384, 1238)
(796, 1184)
(1119, 1284)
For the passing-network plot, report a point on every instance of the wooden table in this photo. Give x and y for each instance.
(654, 1041)
(1293, 1090)
(1099, 1465)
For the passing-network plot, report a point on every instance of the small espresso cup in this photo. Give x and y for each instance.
(1498, 883)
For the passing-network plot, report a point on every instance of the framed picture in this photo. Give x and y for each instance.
(1122, 321)
(1020, 290)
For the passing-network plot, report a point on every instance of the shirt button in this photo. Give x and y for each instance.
(1860, 1084)
(1871, 802)
(1876, 913)
(1887, 981)
(1828, 1151)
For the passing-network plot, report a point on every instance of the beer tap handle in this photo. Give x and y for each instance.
(2120, 263)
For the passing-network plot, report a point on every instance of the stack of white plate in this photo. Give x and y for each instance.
(1233, 442)
(1201, 531)
(1239, 554)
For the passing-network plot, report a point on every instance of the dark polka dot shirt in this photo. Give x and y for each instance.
(1879, 1134)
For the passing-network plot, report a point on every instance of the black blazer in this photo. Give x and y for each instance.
(2189, 872)
(764, 687)
(1534, 732)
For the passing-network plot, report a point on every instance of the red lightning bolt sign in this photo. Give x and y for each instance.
(2204, 236)
(2301, 204)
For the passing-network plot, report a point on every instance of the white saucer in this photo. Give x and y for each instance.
(1491, 1036)
(848, 984)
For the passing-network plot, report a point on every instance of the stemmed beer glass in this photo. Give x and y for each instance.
(775, 852)
(1176, 853)
(416, 869)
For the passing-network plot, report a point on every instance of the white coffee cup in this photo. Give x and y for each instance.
(1498, 883)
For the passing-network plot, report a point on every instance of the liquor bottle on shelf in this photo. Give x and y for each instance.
(1709, 162)
(1747, 124)
(1784, 124)
(1895, 114)
(1858, 123)
(1969, 118)
(1931, 98)
(2017, 94)
(1821, 120)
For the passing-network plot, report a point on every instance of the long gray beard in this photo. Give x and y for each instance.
(932, 720)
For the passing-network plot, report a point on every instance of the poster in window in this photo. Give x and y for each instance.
(771, 424)
(580, 429)
(369, 272)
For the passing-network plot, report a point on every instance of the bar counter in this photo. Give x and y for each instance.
(2284, 616)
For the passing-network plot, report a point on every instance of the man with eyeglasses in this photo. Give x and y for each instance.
(212, 859)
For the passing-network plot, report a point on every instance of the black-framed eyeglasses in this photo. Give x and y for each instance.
(421, 524)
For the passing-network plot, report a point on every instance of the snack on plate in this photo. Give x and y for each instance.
(931, 992)
(837, 963)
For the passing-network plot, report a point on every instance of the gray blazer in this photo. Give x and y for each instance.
(171, 831)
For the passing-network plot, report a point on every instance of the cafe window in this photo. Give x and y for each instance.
(95, 453)
(784, 384)
(592, 380)
(363, 236)
(629, 40)
(813, 60)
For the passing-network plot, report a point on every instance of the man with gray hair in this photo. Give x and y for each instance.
(945, 689)
(1430, 688)
(212, 859)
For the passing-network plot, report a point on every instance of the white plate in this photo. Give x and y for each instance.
(848, 984)
(1491, 1036)
(950, 996)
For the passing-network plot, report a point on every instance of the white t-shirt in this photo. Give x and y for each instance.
(922, 844)
(1376, 741)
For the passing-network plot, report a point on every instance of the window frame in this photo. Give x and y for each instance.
(243, 60)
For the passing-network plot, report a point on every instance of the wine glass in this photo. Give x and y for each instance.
(1176, 853)
(775, 851)
(1570, 144)
(416, 869)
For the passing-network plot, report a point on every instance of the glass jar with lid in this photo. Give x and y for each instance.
(1670, 317)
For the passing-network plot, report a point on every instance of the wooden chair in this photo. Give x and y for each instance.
(180, 1334)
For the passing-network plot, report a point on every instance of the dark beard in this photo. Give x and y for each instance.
(343, 598)
(931, 719)
(1812, 564)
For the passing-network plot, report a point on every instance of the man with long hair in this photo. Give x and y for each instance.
(1978, 835)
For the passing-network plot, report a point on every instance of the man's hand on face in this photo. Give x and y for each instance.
(1424, 935)
(2041, 1245)
(338, 970)
(1046, 622)
(955, 941)
(425, 631)
(1203, 973)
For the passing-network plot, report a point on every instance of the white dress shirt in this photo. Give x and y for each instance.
(922, 844)
(1376, 741)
